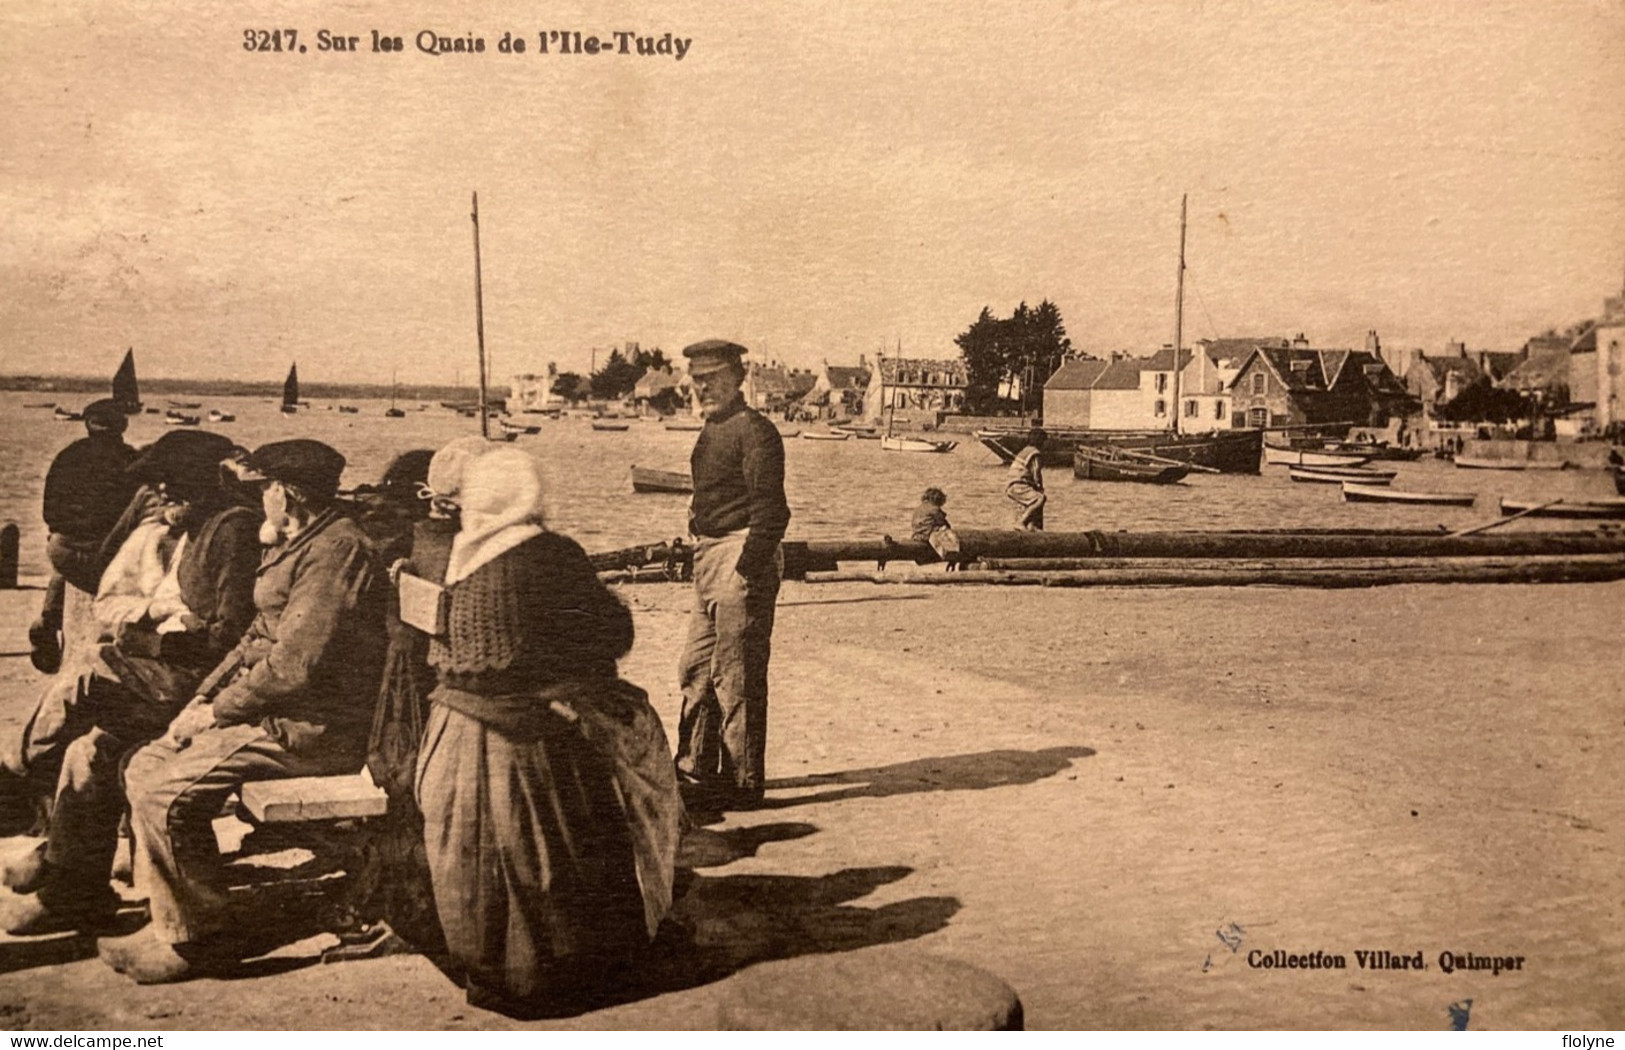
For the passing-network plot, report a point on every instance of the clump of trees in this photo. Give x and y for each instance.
(1007, 359)
(614, 380)
(1484, 402)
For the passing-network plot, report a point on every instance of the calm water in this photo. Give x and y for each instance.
(836, 489)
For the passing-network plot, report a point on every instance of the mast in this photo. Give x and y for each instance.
(1179, 316)
(479, 316)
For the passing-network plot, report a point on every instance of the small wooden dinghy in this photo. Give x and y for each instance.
(1575, 508)
(648, 479)
(1337, 475)
(1354, 492)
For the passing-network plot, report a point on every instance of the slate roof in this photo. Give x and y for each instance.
(1122, 374)
(1159, 361)
(1238, 348)
(1077, 374)
(847, 377)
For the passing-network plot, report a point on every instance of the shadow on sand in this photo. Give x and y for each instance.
(974, 772)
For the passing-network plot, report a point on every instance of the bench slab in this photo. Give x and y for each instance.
(304, 799)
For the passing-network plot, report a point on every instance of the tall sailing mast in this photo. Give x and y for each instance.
(1179, 319)
(479, 318)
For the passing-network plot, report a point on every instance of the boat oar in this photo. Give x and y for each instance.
(1170, 462)
(1503, 520)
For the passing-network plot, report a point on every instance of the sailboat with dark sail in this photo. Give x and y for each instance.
(125, 391)
(290, 390)
(393, 412)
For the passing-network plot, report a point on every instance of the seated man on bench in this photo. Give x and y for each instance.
(294, 699)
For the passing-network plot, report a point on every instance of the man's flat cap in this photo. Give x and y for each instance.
(306, 464)
(189, 458)
(104, 413)
(712, 355)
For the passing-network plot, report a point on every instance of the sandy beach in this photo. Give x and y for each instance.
(1109, 798)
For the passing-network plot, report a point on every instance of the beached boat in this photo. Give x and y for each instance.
(648, 479)
(173, 418)
(1113, 464)
(62, 415)
(824, 435)
(1376, 450)
(217, 416)
(517, 429)
(125, 390)
(1276, 456)
(1597, 507)
(1335, 475)
(857, 430)
(185, 406)
(41, 404)
(290, 390)
(1495, 463)
(1226, 451)
(893, 443)
(789, 433)
(599, 424)
(350, 410)
(1354, 492)
(685, 425)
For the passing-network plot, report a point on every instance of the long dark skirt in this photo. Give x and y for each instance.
(531, 857)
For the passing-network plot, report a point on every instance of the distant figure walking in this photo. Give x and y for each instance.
(931, 525)
(1026, 484)
(86, 490)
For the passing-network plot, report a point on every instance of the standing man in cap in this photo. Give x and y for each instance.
(86, 490)
(294, 698)
(738, 517)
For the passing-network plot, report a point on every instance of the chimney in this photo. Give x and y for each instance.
(863, 362)
(1299, 342)
(1372, 343)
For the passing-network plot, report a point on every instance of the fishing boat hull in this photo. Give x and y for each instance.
(394, 413)
(1226, 451)
(1354, 492)
(612, 426)
(178, 419)
(1337, 475)
(1587, 508)
(1297, 457)
(221, 417)
(908, 444)
(647, 479)
(808, 435)
(62, 415)
(1109, 464)
(686, 427)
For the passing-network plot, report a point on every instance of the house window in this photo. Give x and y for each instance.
(1162, 384)
(1161, 408)
(1258, 382)
(1218, 410)
(1258, 417)
(1190, 410)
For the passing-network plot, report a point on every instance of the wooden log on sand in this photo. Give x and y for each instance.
(825, 555)
(1286, 572)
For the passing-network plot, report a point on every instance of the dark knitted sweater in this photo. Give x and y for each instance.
(738, 466)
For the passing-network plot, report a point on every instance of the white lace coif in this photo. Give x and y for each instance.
(501, 495)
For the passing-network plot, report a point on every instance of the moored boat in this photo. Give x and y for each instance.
(894, 443)
(685, 425)
(828, 435)
(290, 391)
(42, 404)
(648, 479)
(1495, 463)
(62, 415)
(185, 405)
(517, 428)
(1274, 455)
(125, 390)
(599, 424)
(1226, 451)
(1334, 475)
(1596, 507)
(173, 418)
(217, 416)
(1354, 492)
(1103, 463)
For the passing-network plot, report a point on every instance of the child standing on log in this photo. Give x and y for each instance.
(1026, 484)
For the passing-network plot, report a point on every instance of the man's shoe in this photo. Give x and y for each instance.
(45, 648)
(147, 960)
(25, 915)
(24, 872)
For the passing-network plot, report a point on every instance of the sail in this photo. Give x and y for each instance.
(125, 391)
(290, 387)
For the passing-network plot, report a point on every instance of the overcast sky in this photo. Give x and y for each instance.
(814, 181)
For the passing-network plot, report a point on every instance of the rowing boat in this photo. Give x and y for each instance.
(1103, 463)
(1494, 463)
(1335, 475)
(611, 426)
(648, 479)
(1226, 451)
(1577, 508)
(1297, 457)
(814, 435)
(1354, 492)
(889, 443)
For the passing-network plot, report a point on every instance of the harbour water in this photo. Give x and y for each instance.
(836, 489)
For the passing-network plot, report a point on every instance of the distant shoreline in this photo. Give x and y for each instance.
(241, 388)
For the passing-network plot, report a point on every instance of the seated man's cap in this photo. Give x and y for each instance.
(187, 458)
(712, 355)
(104, 413)
(308, 465)
(403, 477)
